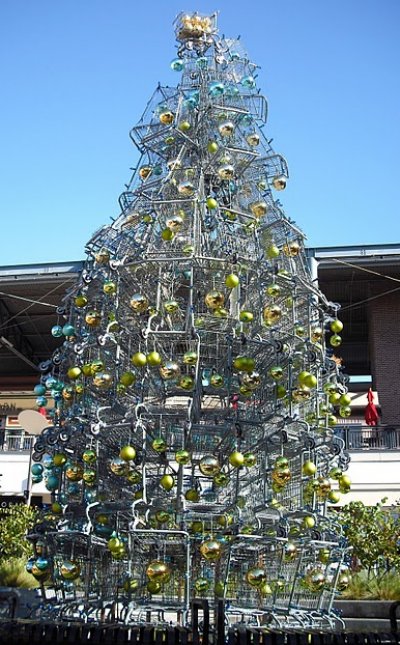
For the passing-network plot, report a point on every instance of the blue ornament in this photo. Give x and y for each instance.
(41, 401)
(68, 330)
(37, 469)
(235, 56)
(246, 119)
(216, 88)
(90, 496)
(177, 65)
(63, 499)
(248, 81)
(39, 389)
(47, 461)
(73, 489)
(42, 563)
(29, 565)
(57, 331)
(51, 382)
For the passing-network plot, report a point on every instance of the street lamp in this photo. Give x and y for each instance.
(33, 423)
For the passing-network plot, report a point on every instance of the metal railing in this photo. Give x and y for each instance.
(17, 442)
(363, 437)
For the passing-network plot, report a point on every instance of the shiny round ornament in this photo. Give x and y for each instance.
(74, 372)
(138, 303)
(89, 476)
(309, 468)
(301, 394)
(236, 459)
(211, 550)
(246, 316)
(221, 480)
(335, 340)
(174, 223)
(186, 189)
(226, 129)
(154, 359)
(251, 380)
(248, 82)
(216, 380)
(244, 364)
(259, 209)
(41, 401)
(232, 280)
(167, 482)
(167, 117)
(80, 301)
(292, 249)
(158, 571)
(190, 358)
(253, 139)
(272, 314)
(316, 334)
(201, 585)
(226, 172)
(186, 382)
(167, 235)
(336, 326)
(109, 288)
(214, 299)
(70, 570)
(102, 256)
(212, 147)
(290, 552)
(256, 576)
(127, 453)
(37, 469)
(249, 459)
(171, 306)
(211, 203)
(209, 466)
(139, 359)
(127, 378)
(159, 445)
(68, 330)
(74, 472)
(276, 372)
(279, 183)
(89, 456)
(273, 290)
(133, 477)
(177, 65)
(169, 370)
(118, 466)
(103, 381)
(57, 331)
(182, 457)
(130, 584)
(192, 495)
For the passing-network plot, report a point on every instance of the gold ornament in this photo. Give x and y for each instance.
(174, 223)
(226, 172)
(89, 476)
(256, 577)
(214, 299)
(144, 172)
(211, 550)
(101, 257)
(93, 318)
(209, 466)
(182, 457)
(138, 303)
(186, 382)
(216, 380)
(190, 358)
(74, 472)
(167, 117)
(186, 189)
(251, 380)
(70, 570)
(158, 571)
(291, 249)
(171, 306)
(103, 381)
(279, 183)
(201, 585)
(169, 370)
(272, 314)
(259, 209)
(226, 129)
(253, 139)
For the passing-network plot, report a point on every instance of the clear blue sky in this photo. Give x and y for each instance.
(76, 75)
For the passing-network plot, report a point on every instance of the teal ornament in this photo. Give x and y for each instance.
(202, 62)
(39, 389)
(52, 482)
(177, 65)
(51, 383)
(42, 563)
(157, 170)
(248, 81)
(63, 499)
(216, 88)
(37, 469)
(57, 331)
(246, 119)
(41, 401)
(68, 330)
(73, 488)
(235, 56)
(90, 496)
(36, 479)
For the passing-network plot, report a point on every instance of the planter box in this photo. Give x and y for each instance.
(364, 608)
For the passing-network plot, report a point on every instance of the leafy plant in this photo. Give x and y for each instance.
(14, 574)
(15, 522)
(367, 586)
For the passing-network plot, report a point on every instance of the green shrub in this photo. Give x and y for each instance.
(364, 586)
(14, 574)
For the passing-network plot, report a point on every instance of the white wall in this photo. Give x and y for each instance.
(374, 474)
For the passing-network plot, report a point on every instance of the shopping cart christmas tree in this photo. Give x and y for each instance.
(194, 393)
